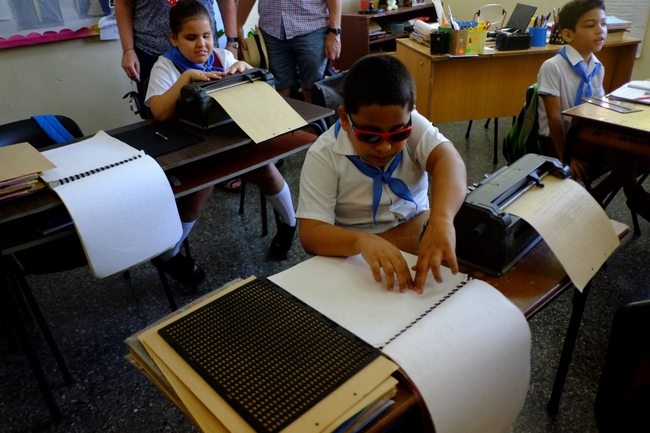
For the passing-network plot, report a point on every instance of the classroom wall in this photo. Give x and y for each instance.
(83, 78)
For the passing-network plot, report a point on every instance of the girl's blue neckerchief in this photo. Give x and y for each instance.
(182, 64)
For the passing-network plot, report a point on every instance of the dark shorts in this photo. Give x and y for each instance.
(146, 64)
(306, 52)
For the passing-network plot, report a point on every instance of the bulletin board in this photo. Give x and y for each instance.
(27, 22)
(636, 11)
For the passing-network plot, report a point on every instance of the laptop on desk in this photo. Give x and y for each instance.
(520, 18)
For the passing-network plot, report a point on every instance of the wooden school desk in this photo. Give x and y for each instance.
(226, 153)
(600, 126)
(604, 127)
(493, 84)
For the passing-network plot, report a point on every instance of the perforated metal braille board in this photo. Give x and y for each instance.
(268, 354)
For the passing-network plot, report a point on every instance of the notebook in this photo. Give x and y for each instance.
(20, 166)
(634, 91)
(520, 18)
(119, 199)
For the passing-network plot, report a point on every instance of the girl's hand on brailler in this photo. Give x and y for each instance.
(237, 67)
(194, 75)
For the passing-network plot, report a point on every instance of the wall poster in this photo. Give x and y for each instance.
(27, 22)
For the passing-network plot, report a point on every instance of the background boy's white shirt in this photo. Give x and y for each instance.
(164, 73)
(557, 78)
(334, 191)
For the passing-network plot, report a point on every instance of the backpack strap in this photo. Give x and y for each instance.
(522, 138)
(53, 128)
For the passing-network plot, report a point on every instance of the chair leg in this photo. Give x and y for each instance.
(495, 160)
(487, 123)
(186, 247)
(188, 253)
(635, 218)
(635, 223)
(242, 197)
(40, 319)
(22, 306)
(265, 224)
(168, 290)
(469, 128)
(8, 304)
(579, 302)
(5, 324)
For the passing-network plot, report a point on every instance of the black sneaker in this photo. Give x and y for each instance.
(638, 200)
(282, 241)
(182, 269)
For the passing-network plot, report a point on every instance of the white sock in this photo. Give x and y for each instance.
(169, 254)
(283, 204)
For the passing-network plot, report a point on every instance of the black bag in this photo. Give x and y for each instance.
(328, 93)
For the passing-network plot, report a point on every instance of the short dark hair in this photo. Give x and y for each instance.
(185, 10)
(572, 11)
(378, 79)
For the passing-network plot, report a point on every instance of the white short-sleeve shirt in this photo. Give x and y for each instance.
(164, 73)
(333, 190)
(557, 78)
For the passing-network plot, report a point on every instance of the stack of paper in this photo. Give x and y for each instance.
(375, 31)
(635, 91)
(614, 23)
(616, 28)
(344, 409)
(20, 166)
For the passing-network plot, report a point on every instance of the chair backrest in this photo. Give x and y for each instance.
(28, 130)
(523, 137)
(494, 13)
(328, 93)
(136, 101)
(623, 398)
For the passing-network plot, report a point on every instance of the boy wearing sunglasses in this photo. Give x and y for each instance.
(368, 173)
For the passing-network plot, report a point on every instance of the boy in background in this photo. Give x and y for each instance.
(368, 173)
(564, 80)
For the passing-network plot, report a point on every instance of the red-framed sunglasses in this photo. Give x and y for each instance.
(373, 137)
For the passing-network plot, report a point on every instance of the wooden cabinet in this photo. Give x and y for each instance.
(355, 39)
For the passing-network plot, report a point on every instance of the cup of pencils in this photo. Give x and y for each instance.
(538, 36)
(538, 30)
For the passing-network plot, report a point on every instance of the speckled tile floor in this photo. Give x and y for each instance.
(91, 318)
